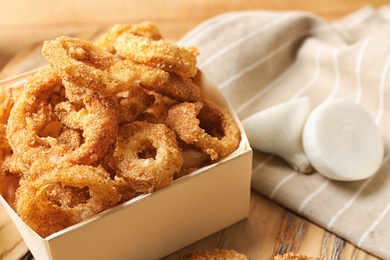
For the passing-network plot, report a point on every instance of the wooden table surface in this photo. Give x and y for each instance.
(270, 229)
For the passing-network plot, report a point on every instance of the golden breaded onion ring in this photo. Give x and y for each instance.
(8, 97)
(205, 125)
(33, 112)
(144, 29)
(161, 54)
(132, 103)
(86, 65)
(146, 155)
(158, 80)
(64, 196)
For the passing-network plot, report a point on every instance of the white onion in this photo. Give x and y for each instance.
(342, 141)
(278, 130)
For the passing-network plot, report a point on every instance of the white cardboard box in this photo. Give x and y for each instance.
(154, 225)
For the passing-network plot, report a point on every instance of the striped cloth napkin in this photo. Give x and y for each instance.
(261, 58)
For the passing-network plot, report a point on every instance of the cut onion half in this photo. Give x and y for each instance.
(278, 130)
(342, 141)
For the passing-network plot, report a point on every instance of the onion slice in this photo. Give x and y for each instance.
(342, 141)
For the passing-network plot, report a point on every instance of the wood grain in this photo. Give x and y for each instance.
(11, 244)
(270, 229)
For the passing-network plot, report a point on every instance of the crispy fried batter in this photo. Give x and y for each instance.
(180, 88)
(85, 64)
(132, 103)
(144, 29)
(206, 125)
(65, 195)
(158, 111)
(160, 81)
(148, 76)
(8, 97)
(9, 183)
(161, 54)
(146, 155)
(30, 116)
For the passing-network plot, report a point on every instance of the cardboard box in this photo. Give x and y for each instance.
(154, 225)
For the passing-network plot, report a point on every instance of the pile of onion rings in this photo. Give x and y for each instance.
(103, 123)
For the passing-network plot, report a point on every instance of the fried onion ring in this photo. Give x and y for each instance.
(146, 155)
(160, 54)
(158, 111)
(65, 196)
(206, 125)
(145, 29)
(194, 159)
(85, 64)
(147, 75)
(125, 189)
(132, 103)
(8, 97)
(9, 183)
(160, 81)
(98, 122)
(30, 116)
(180, 88)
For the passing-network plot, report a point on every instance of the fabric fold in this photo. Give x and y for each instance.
(262, 58)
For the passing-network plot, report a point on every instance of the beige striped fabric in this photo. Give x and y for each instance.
(261, 58)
